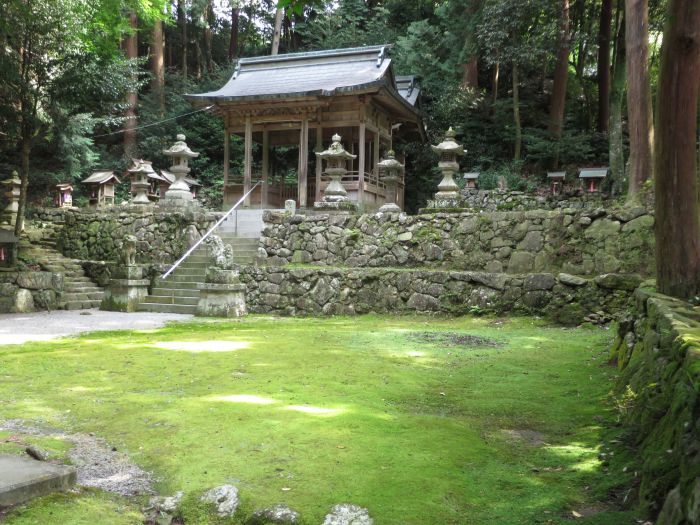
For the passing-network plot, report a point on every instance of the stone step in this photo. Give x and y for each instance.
(83, 296)
(82, 305)
(82, 289)
(175, 278)
(164, 299)
(178, 285)
(168, 308)
(175, 292)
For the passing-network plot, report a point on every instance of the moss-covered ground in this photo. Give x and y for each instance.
(421, 429)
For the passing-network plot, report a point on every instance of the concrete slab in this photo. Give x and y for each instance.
(22, 479)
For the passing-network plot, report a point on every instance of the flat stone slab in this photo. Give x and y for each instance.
(22, 479)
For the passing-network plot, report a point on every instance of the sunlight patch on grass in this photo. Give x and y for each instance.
(317, 411)
(203, 346)
(245, 398)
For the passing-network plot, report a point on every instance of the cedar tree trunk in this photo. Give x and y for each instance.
(617, 96)
(604, 66)
(516, 113)
(131, 48)
(182, 21)
(233, 43)
(279, 15)
(157, 65)
(561, 75)
(677, 221)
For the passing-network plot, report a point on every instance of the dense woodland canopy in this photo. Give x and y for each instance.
(529, 85)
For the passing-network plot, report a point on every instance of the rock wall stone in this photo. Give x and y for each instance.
(582, 242)
(96, 234)
(567, 299)
(658, 351)
(28, 291)
(504, 200)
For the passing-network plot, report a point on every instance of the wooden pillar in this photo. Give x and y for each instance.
(265, 166)
(361, 166)
(319, 163)
(303, 161)
(248, 159)
(227, 156)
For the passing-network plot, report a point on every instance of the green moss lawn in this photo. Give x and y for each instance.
(421, 429)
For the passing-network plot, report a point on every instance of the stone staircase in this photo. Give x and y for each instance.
(79, 292)
(179, 293)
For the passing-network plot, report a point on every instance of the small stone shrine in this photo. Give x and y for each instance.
(448, 191)
(391, 173)
(8, 247)
(335, 196)
(223, 294)
(179, 193)
(471, 180)
(127, 287)
(592, 177)
(101, 187)
(557, 180)
(139, 173)
(64, 195)
(12, 191)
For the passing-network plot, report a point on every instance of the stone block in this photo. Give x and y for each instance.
(35, 280)
(22, 479)
(124, 295)
(521, 262)
(539, 281)
(221, 300)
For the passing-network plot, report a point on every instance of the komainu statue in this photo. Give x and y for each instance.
(127, 254)
(220, 254)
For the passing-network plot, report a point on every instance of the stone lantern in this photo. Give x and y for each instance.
(448, 191)
(12, 191)
(335, 196)
(390, 173)
(140, 172)
(179, 192)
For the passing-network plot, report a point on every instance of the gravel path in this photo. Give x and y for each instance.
(42, 326)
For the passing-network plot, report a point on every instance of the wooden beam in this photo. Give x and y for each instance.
(265, 165)
(227, 153)
(319, 163)
(375, 151)
(303, 161)
(248, 160)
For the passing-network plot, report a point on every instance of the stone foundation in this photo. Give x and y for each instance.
(564, 298)
(658, 352)
(29, 291)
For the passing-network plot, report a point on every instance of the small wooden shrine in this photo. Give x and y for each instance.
(592, 177)
(471, 179)
(8, 245)
(303, 99)
(101, 188)
(557, 180)
(64, 195)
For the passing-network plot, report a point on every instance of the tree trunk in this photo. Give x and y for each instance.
(279, 15)
(561, 75)
(131, 48)
(516, 113)
(182, 21)
(470, 73)
(617, 96)
(25, 149)
(208, 37)
(494, 81)
(233, 43)
(604, 66)
(157, 65)
(639, 110)
(198, 59)
(677, 221)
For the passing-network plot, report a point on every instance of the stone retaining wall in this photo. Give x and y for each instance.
(658, 350)
(504, 200)
(582, 242)
(96, 234)
(27, 291)
(564, 298)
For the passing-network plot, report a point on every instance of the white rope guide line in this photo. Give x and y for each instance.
(153, 123)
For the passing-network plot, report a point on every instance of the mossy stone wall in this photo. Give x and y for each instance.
(658, 352)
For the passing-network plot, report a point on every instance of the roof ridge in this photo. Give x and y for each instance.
(311, 54)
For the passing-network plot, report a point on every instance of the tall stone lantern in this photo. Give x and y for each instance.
(179, 192)
(390, 172)
(12, 191)
(449, 151)
(335, 196)
(139, 173)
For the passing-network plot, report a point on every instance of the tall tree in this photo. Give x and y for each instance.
(131, 50)
(616, 148)
(676, 177)
(639, 108)
(277, 31)
(604, 31)
(235, 29)
(157, 63)
(182, 23)
(561, 74)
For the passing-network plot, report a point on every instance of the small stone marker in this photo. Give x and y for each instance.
(22, 479)
(225, 498)
(290, 206)
(348, 514)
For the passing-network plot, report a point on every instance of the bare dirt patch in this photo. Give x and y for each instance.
(453, 339)
(98, 464)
